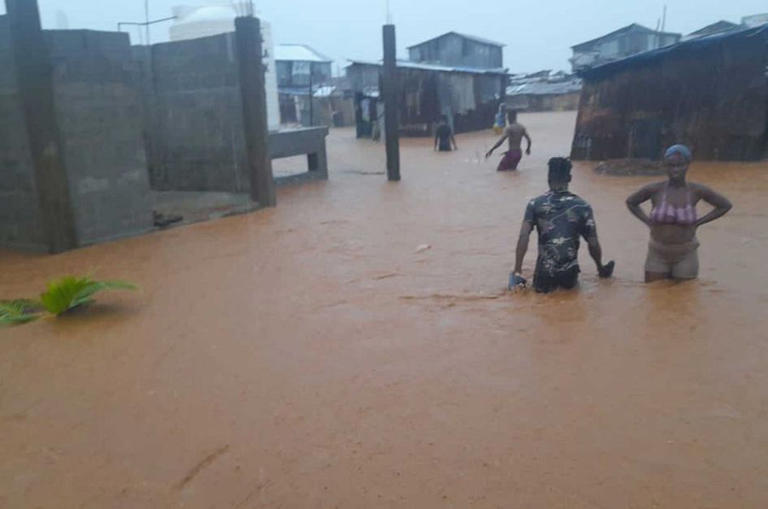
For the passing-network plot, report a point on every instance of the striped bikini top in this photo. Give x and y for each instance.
(666, 213)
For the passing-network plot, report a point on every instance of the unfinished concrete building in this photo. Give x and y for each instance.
(176, 129)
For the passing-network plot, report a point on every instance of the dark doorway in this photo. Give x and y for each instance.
(645, 139)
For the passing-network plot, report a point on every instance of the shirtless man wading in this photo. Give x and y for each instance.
(514, 133)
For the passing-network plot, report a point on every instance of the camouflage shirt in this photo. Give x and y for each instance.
(560, 219)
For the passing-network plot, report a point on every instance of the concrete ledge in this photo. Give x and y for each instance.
(301, 178)
(196, 207)
(296, 142)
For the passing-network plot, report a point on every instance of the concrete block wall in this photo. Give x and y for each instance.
(195, 132)
(99, 116)
(99, 111)
(21, 224)
(128, 124)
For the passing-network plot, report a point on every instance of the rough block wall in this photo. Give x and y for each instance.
(99, 112)
(195, 124)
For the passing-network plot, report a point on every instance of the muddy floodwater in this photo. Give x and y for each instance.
(312, 356)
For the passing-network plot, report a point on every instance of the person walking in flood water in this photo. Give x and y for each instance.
(560, 218)
(514, 134)
(444, 139)
(673, 248)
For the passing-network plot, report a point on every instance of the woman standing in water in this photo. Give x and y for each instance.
(673, 249)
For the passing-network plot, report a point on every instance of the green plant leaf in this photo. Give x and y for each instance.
(19, 311)
(84, 296)
(70, 292)
(61, 292)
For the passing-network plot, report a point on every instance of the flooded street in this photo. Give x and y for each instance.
(312, 356)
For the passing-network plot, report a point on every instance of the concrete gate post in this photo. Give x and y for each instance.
(34, 75)
(253, 90)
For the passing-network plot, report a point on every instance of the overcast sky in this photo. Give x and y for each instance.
(538, 34)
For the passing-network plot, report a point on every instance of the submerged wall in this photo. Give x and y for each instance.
(195, 122)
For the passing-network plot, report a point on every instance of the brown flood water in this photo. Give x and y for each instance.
(308, 356)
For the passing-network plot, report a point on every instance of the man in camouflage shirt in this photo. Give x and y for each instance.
(560, 217)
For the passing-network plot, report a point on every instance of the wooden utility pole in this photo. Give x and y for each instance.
(34, 79)
(390, 93)
(253, 90)
(311, 102)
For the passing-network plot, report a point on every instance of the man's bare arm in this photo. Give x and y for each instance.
(528, 140)
(522, 245)
(498, 144)
(595, 251)
(453, 140)
(720, 203)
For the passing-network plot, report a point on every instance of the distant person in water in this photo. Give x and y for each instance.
(673, 248)
(514, 133)
(444, 139)
(560, 218)
(500, 122)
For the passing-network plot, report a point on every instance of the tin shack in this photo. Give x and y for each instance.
(469, 97)
(457, 75)
(710, 92)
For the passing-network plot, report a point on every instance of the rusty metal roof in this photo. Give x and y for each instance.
(407, 64)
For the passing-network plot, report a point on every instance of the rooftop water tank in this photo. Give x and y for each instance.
(193, 22)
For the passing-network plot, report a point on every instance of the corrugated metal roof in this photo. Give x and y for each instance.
(322, 91)
(470, 37)
(649, 56)
(633, 26)
(714, 28)
(479, 39)
(407, 64)
(545, 88)
(299, 53)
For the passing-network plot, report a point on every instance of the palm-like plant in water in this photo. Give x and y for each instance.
(16, 312)
(62, 295)
(70, 292)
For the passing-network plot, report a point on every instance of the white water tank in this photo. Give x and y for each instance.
(193, 22)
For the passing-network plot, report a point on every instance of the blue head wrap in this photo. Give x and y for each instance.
(679, 149)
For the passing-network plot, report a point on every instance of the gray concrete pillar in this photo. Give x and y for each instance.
(35, 84)
(252, 88)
